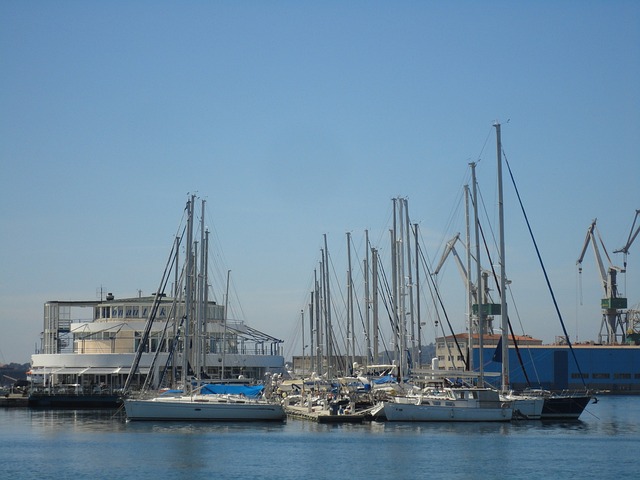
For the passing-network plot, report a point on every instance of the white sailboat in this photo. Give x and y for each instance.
(199, 400)
(470, 404)
(203, 406)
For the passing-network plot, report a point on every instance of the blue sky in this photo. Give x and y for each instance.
(296, 119)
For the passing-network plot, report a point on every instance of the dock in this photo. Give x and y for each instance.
(14, 400)
(322, 415)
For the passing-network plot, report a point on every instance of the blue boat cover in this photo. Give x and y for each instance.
(385, 379)
(218, 388)
(171, 392)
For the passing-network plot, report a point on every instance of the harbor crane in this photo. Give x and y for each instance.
(490, 309)
(633, 315)
(612, 304)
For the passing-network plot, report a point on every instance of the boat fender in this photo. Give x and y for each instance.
(505, 405)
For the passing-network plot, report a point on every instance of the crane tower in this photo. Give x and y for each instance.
(614, 320)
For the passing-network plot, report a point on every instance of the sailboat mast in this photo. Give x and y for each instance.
(351, 345)
(327, 305)
(402, 318)
(503, 275)
(318, 316)
(374, 300)
(415, 233)
(367, 298)
(409, 281)
(311, 337)
(302, 325)
(469, 283)
(205, 297)
(186, 350)
(224, 326)
(479, 299)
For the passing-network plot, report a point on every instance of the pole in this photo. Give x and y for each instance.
(503, 276)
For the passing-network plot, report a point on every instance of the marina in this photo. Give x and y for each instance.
(33, 439)
(317, 240)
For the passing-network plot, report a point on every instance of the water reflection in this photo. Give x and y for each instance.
(78, 420)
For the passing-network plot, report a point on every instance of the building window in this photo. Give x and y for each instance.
(600, 375)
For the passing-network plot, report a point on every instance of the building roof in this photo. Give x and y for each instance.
(492, 339)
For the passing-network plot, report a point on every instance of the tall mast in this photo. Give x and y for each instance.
(224, 325)
(394, 276)
(469, 283)
(503, 276)
(327, 300)
(402, 319)
(409, 281)
(205, 296)
(186, 351)
(374, 301)
(319, 335)
(415, 233)
(367, 299)
(302, 325)
(479, 299)
(311, 337)
(351, 345)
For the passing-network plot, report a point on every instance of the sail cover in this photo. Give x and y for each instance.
(246, 390)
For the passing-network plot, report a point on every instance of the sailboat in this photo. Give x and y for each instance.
(207, 403)
(436, 402)
(525, 406)
(199, 399)
(554, 405)
(450, 404)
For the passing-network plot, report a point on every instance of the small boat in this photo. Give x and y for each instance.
(204, 406)
(449, 405)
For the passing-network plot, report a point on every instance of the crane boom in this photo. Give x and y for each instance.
(632, 236)
(448, 249)
(590, 238)
(451, 249)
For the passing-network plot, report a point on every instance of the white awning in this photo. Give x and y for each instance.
(85, 370)
(103, 370)
(70, 370)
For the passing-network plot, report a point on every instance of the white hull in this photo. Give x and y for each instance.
(529, 408)
(449, 405)
(397, 412)
(200, 408)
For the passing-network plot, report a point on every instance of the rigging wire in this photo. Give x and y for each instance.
(544, 270)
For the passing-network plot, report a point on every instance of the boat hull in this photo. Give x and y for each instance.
(397, 412)
(564, 407)
(181, 410)
(528, 408)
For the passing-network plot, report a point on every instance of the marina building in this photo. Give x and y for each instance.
(88, 345)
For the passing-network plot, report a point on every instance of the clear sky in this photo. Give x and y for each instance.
(298, 119)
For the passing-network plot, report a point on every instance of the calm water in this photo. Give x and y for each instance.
(53, 444)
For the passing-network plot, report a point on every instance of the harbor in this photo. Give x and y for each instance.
(306, 448)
